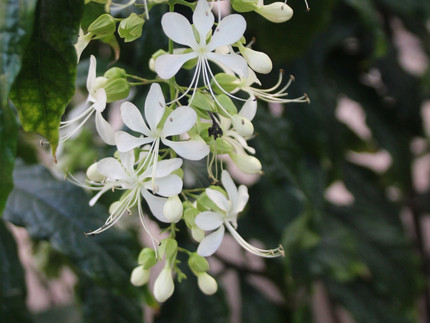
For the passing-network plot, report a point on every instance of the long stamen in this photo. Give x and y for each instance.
(266, 253)
(70, 134)
(154, 240)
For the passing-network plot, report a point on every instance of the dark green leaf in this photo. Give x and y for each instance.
(12, 282)
(58, 211)
(46, 82)
(16, 22)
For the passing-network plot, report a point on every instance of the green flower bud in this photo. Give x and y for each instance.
(140, 276)
(173, 209)
(258, 61)
(244, 5)
(115, 73)
(168, 247)
(242, 125)
(276, 12)
(190, 214)
(227, 81)
(246, 163)
(227, 105)
(207, 283)
(93, 174)
(197, 263)
(197, 233)
(147, 258)
(116, 89)
(131, 27)
(103, 26)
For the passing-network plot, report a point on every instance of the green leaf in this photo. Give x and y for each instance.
(58, 211)
(12, 282)
(16, 21)
(46, 82)
(100, 304)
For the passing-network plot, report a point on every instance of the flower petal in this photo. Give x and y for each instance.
(105, 129)
(168, 65)
(164, 168)
(166, 186)
(111, 168)
(179, 121)
(208, 220)
(154, 106)
(126, 142)
(203, 20)
(127, 160)
(178, 29)
(218, 198)
(100, 98)
(229, 186)
(249, 109)
(156, 205)
(235, 62)
(242, 199)
(211, 243)
(229, 31)
(91, 78)
(133, 119)
(191, 149)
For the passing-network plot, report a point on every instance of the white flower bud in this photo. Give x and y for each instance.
(246, 163)
(140, 276)
(197, 233)
(173, 209)
(207, 283)
(276, 12)
(258, 61)
(242, 125)
(99, 83)
(164, 286)
(151, 64)
(93, 174)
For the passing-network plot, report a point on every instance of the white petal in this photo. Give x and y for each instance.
(168, 65)
(127, 160)
(154, 106)
(235, 62)
(178, 29)
(179, 121)
(126, 142)
(242, 199)
(191, 149)
(91, 78)
(105, 129)
(218, 198)
(164, 167)
(100, 98)
(229, 186)
(133, 119)
(209, 220)
(211, 243)
(166, 186)
(156, 205)
(111, 168)
(203, 20)
(229, 31)
(249, 109)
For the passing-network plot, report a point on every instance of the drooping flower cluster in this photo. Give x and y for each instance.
(199, 121)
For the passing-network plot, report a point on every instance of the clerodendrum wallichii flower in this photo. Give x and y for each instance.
(146, 168)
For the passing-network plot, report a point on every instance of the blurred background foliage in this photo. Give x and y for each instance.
(365, 253)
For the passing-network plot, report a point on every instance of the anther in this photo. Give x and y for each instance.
(171, 119)
(161, 104)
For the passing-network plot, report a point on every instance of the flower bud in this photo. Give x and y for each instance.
(220, 146)
(153, 57)
(131, 28)
(242, 125)
(116, 89)
(115, 73)
(164, 286)
(207, 283)
(276, 12)
(103, 26)
(197, 233)
(246, 163)
(258, 61)
(197, 263)
(173, 209)
(190, 214)
(147, 258)
(168, 247)
(99, 83)
(244, 5)
(140, 276)
(114, 206)
(93, 174)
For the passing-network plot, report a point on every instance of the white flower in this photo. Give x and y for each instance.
(97, 97)
(164, 285)
(207, 283)
(229, 30)
(227, 218)
(140, 276)
(178, 122)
